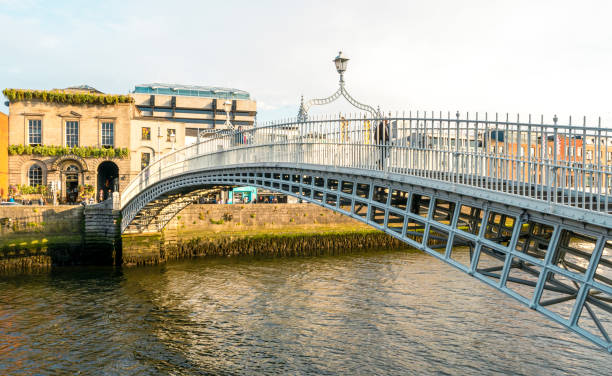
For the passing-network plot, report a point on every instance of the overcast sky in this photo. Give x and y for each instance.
(507, 56)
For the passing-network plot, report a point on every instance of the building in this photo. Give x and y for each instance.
(170, 116)
(3, 155)
(73, 141)
(79, 141)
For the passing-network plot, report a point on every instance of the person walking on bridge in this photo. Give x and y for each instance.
(382, 142)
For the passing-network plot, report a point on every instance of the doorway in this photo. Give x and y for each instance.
(108, 180)
(72, 184)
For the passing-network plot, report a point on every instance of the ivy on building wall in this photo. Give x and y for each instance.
(59, 96)
(23, 189)
(83, 152)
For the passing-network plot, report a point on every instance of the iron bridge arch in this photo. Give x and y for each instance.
(524, 207)
(513, 247)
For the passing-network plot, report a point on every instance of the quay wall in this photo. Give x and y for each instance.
(269, 230)
(37, 237)
(34, 237)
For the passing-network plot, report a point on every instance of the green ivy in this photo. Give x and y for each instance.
(58, 96)
(83, 152)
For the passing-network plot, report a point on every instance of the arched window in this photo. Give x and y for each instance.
(72, 169)
(35, 175)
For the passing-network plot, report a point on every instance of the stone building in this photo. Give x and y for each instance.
(3, 155)
(43, 126)
(111, 137)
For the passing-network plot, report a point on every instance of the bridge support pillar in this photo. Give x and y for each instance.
(102, 235)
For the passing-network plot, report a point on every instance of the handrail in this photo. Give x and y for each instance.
(564, 165)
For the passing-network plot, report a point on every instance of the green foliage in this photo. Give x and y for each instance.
(219, 222)
(59, 96)
(28, 190)
(81, 151)
(86, 191)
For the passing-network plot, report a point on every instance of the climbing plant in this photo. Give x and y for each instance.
(83, 152)
(59, 96)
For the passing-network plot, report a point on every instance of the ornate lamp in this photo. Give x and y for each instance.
(341, 62)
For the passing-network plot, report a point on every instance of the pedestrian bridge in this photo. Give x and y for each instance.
(522, 206)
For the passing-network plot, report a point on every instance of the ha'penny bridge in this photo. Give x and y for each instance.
(523, 205)
(537, 222)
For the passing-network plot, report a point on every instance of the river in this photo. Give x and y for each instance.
(400, 312)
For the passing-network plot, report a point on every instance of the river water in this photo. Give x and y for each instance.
(399, 312)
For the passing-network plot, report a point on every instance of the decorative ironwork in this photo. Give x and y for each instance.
(341, 67)
(524, 207)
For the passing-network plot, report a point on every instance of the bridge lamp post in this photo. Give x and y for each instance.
(341, 62)
(173, 139)
(227, 106)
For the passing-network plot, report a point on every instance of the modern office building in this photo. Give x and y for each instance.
(170, 116)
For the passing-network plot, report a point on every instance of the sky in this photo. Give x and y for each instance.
(517, 57)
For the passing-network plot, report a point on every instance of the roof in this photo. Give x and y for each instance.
(87, 88)
(191, 90)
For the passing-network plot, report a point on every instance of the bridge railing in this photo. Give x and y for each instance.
(561, 164)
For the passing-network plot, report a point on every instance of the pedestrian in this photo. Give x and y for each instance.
(382, 142)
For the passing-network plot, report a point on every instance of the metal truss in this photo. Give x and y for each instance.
(560, 268)
(157, 213)
(535, 225)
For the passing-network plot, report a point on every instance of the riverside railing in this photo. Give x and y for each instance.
(561, 164)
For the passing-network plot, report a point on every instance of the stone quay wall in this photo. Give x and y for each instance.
(33, 237)
(253, 230)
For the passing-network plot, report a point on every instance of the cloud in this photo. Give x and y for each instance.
(518, 56)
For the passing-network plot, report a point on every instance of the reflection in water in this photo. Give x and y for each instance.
(370, 313)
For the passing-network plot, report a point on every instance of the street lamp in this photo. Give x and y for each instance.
(172, 139)
(341, 62)
(159, 138)
(227, 106)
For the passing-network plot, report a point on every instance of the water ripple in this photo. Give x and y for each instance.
(370, 313)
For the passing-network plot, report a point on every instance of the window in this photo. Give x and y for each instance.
(108, 135)
(589, 154)
(171, 135)
(609, 156)
(146, 134)
(145, 159)
(34, 132)
(35, 175)
(72, 133)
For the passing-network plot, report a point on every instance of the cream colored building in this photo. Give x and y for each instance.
(51, 123)
(145, 124)
(171, 116)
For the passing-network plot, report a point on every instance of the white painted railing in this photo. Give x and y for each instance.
(562, 164)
